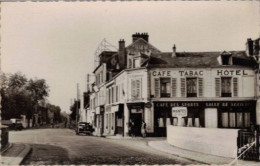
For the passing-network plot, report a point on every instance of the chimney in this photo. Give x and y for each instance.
(174, 51)
(137, 36)
(249, 47)
(121, 54)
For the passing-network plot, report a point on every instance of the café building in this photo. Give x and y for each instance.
(213, 89)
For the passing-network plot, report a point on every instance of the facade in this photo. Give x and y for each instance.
(141, 83)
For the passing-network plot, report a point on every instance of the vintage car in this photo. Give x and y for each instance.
(13, 124)
(85, 128)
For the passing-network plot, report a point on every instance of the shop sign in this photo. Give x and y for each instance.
(179, 111)
(148, 105)
(114, 108)
(208, 104)
(97, 110)
(136, 110)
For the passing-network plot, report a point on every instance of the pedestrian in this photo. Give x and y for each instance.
(143, 129)
(131, 128)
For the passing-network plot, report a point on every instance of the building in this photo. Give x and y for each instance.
(141, 83)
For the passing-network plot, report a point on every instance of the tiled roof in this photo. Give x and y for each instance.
(196, 59)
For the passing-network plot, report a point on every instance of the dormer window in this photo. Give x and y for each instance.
(136, 63)
(226, 58)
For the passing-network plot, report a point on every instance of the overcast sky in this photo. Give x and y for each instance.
(57, 40)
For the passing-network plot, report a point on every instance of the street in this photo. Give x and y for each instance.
(62, 146)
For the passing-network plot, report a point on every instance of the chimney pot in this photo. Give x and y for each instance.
(174, 51)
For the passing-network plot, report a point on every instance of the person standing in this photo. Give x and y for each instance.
(143, 129)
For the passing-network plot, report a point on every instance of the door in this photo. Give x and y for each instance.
(137, 119)
(211, 118)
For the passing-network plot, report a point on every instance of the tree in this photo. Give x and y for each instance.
(20, 96)
(39, 91)
(15, 98)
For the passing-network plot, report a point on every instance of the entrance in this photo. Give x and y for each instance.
(137, 119)
(211, 118)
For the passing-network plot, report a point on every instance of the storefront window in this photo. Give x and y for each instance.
(226, 87)
(235, 119)
(239, 119)
(224, 117)
(191, 87)
(247, 119)
(165, 87)
(232, 119)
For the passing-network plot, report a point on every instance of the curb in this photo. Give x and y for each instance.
(150, 143)
(7, 147)
(17, 160)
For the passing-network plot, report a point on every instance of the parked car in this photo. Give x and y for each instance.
(13, 124)
(85, 128)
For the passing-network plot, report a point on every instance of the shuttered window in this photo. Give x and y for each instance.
(235, 87)
(138, 89)
(133, 89)
(200, 87)
(183, 87)
(217, 86)
(174, 87)
(157, 87)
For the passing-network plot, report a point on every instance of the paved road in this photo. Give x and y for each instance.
(62, 146)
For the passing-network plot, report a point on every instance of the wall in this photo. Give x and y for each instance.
(220, 142)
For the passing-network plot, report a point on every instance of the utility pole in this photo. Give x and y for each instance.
(77, 106)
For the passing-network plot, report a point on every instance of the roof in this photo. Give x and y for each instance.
(197, 59)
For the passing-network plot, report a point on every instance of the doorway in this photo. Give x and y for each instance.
(137, 119)
(211, 118)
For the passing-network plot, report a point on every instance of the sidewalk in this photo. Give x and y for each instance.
(164, 146)
(15, 154)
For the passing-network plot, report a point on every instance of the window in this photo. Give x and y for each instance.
(226, 87)
(113, 94)
(165, 87)
(235, 119)
(116, 93)
(136, 63)
(136, 89)
(191, 84)
(226, 59)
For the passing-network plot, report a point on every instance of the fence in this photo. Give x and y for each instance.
(248, 145)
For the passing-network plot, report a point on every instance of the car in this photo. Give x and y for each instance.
(16, 124)
(13, 124)
(85, 128)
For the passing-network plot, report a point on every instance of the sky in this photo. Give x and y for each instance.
(57, 40)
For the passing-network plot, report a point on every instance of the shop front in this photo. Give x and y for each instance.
(136, 112)
(114, 119)
(99, 121)
(207, 114)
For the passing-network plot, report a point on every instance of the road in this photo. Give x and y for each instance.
(62, 146)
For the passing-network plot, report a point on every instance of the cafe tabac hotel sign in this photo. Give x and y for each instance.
(200, 72)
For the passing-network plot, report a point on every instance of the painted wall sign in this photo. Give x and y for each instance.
(208, 104)
(231, 73)
(191, 73)
(179, 111)
(161, 73)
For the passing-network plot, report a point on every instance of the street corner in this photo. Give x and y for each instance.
(15, 153)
